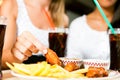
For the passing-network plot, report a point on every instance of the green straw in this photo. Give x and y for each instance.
(104, 16)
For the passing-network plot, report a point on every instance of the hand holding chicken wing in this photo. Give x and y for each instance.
(26, 44)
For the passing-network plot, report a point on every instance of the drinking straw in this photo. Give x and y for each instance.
(104, 16)
(52, 25)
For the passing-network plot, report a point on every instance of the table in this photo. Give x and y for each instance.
(8, 76)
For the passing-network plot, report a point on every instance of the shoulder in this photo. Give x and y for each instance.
(8, 7)
(78, 21)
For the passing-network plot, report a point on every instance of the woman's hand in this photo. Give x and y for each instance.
(25, 45)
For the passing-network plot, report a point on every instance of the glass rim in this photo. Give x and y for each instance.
(3, 20)
(59, 30)
(3, 17)
(117, 30)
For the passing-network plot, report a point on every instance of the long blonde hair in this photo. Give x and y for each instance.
(57, 11)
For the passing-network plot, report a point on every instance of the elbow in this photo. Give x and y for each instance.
(7, 56)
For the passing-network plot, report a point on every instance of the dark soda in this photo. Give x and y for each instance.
(2, 33)
(57, 42)
(115, 51)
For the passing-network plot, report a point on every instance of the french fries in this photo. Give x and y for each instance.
(45, 70)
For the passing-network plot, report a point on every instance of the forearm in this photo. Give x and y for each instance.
(7, 56)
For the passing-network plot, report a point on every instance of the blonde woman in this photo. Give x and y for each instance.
(29, 22)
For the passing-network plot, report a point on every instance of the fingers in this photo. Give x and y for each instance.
(23, 49)
(21, 52)
(19, 55)
(27, 35)
(27, 44)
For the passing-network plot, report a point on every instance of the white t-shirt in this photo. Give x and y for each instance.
(85, 42)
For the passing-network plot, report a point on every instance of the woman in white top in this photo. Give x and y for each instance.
(88, 37)
(26, 17)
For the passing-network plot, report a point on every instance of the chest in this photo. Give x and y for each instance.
(38, 18)
(97, 25)
(90, 39)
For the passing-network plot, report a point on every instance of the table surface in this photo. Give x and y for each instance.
(8, 76)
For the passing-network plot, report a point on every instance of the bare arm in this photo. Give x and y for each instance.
(18, 48)
(8, 10)
(14, 50)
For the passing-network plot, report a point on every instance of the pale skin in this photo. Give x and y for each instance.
(18, 49)
(96, 21)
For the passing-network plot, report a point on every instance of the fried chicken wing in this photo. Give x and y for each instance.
(94, 72)
(71, 66)
(52, 57)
